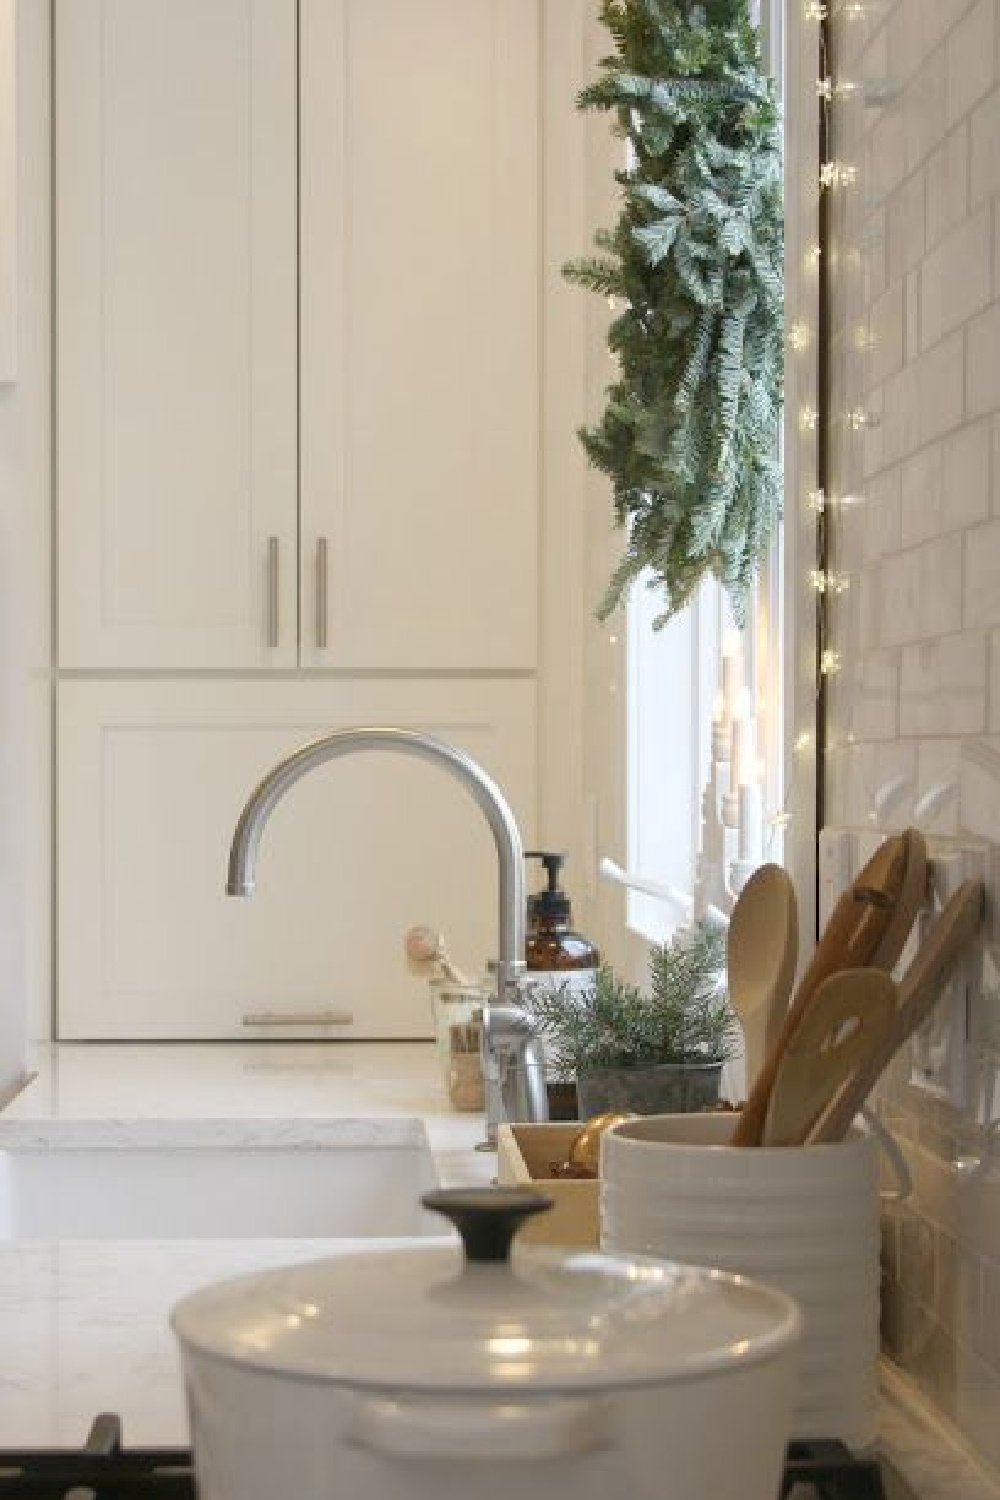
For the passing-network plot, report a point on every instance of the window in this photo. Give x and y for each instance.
(673, 676)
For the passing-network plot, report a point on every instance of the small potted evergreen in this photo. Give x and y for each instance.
(655, 1053)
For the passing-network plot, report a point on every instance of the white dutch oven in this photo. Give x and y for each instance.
(412, 1375)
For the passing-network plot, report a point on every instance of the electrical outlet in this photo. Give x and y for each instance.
(942, 1051)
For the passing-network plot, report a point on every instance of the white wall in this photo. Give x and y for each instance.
(25, 594)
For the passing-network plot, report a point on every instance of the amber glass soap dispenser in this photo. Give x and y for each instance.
(555, 954)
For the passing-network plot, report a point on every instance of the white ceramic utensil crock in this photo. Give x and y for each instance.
(801, 1218)
(415, 1374)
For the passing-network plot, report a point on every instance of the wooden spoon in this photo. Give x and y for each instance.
(937, 958)
(848, 1018)
(762, 950)
(868, 926)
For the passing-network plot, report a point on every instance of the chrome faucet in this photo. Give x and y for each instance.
(513, 1062)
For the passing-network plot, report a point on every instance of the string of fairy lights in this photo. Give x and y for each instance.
(807, 339)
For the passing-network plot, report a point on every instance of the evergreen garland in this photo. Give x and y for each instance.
(686, 1017)
(689, 436)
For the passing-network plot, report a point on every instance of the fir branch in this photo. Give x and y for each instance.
(686, 1016)
(688, 436)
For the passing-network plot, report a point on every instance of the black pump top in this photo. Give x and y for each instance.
(552, 904)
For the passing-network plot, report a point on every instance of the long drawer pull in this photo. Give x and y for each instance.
(272, 592)
(299, 1018)
(322, 603)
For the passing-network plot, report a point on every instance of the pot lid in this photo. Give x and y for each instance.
(429, 1318)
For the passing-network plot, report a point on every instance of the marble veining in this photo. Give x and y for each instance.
(207, 1134)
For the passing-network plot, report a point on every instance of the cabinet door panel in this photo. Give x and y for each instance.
(176, 331)
(421, 264)
(151, 779)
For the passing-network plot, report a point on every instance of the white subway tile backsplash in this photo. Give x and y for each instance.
(948, 184)
(939, 765)
(925, 110)
(918, 696)
(984, 362)
(923, 495)
(878, 524)
(885, 333)
(911, 335)
(922, 592)
(941, 381)
(956, 278)
(979, 815)
(906, 216)
(982, 574)
(984, 161)
(886, 163)
(876, 698)
(994, 682)
(943, 686)
(966, 498)
(970, 59)
(946, 486)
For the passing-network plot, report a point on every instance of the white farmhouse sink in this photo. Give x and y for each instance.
(215, 1179)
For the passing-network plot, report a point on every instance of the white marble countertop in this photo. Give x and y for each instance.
(84, 1324)
(231, 1094)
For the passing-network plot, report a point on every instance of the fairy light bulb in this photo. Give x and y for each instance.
(830, 663)
(808, 418)
(817, 501)
(802, 742)
(799, 336)
(815, 10)
(829, 582)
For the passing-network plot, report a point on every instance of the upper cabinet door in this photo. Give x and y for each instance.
(420, 280)
(176, 278)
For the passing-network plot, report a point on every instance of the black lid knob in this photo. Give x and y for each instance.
(486, 1218)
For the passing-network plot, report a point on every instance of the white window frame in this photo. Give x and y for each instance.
(667, 772)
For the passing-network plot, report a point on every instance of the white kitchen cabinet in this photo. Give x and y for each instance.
(176, 297)
(422, 264)
(151, 778)
(395, 148)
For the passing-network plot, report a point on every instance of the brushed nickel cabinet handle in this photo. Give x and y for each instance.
(321, 591)
(299, 1018)
(272, 592)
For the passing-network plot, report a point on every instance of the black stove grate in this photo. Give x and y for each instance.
(104, 1470)
(101, 1470)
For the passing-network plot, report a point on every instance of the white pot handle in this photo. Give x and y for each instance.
(894, 1152)
(450, 1428)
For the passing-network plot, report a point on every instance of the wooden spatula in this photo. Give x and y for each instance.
(848, 1017)
(936, 960)
(762, 948)
(868, 927)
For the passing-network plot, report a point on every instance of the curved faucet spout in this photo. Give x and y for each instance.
(483, 790)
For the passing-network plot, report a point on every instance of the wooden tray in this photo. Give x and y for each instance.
(524, 1154)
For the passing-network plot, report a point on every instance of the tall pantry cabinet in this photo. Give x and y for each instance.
(299, 254)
